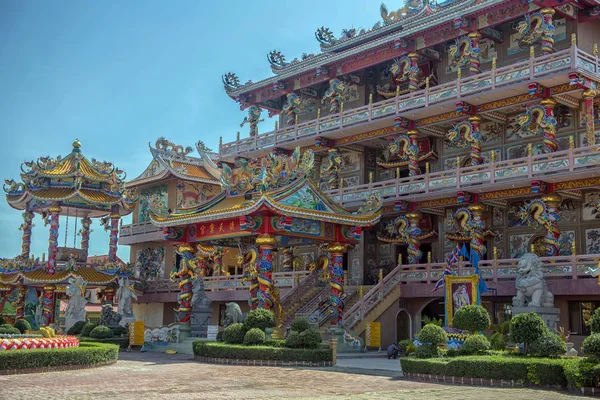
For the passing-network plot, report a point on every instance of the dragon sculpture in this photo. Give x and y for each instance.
(410, 7)
(247, 261)
(277, 59)
(540, 120)
(336, 164)
(405, 230)
(465, 134)
(288, 259)
(253, 119)
(470, 221)
(231, 81)
(269, 172)
(403, 149)
(291, 108)
(165, 145)
(537, 27)
(26, 229)
(543, 213)
(334, 95)
(461, 53)
(186, 271)
(10, 186)
(404, 68)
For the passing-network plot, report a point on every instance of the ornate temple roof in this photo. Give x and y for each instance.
(171, 159)
(73, 182)
(278, 184)
(413, 18)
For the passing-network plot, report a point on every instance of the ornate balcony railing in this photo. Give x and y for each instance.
(568, 60)
(573, 267)
(283, 280)
(559, 166)
(141, 232)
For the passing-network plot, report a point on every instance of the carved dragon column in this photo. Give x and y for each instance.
(85, 230)
(114, 236)
(413, 153)
(413, 75)
(48, 304)
(477, 228)
(20, 303)
(552, 201)
(475, 55)
(26, 238)
(334, 169)
(547, 34)
(265, 243)
(186, 273)
(218, 261)
(588, 96)
(288, 259)
(476, 159)
(550, 143)
(336, 278)
(414, 244)
(55, 211)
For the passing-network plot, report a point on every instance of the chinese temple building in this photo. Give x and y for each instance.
(76, 189)
(475, 122)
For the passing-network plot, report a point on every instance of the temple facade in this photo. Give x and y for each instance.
(472, 121)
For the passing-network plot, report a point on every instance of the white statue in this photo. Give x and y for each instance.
(531, 286)
(39, 310)
(233, 314)
(125, 294)
(76, 308)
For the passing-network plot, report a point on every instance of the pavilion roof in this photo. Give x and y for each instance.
(170, 159)
(73, 181)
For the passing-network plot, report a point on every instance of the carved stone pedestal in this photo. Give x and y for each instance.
(549, 315)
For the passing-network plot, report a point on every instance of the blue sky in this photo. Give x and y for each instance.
(120, 74)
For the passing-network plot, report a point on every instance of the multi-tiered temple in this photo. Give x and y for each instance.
(474, 121)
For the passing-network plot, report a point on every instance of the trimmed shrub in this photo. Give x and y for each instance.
(293, 340)
(22, 325)
(432, 334)
(7, 329)
(85, 354)
(122, 342)
(120, 330)
(527, 328)
(427, 351)
(220, 336)
(87, 328)
(275, 342)
(534, 370)
(300, 325)
(239, 352)
(497, 341)
(403, 345)
(595, 321)
(101, 332)
(234, 334)
(475, 344)
(311, 338)
(549, 345)
(259, 318)
(253, 337)
(76, 328)
(591, 345)
(471, 318)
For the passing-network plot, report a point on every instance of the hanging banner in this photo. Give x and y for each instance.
(373, 334)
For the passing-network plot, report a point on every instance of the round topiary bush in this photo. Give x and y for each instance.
(471, 318)
(293, 340)
(260, 318)
(426, 351)
(548, 345)
(101, 332)
(475, 344)
(234, 334)
(595, 321)
(300, 325)
(120, 330)
(76, 328)
(527, 328)
(87, 328)
(591, 345)
(253, 337)
(22, 325)
(7, 329)
(220, 336)
(432, 334)
(311, 338)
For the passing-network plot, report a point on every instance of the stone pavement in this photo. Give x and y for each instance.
(151, 376)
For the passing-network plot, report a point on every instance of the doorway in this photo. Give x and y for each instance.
(403, 326)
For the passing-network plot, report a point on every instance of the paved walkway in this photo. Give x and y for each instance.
(151, 376)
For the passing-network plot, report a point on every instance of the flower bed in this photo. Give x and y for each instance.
(38, 360)
(205, 351)
(25, 343)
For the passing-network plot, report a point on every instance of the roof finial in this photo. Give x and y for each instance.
(76, 145)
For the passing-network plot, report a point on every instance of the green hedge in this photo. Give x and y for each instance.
(85, 354)
(122, 342)
(239, 352)
(534, 370)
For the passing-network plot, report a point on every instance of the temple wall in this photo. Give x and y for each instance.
(588, 34)
(150, 313)
(152, 260)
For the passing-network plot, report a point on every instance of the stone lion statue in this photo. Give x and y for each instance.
(233, 314)
(532, 290)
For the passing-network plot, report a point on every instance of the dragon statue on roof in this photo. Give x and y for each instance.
(165, 145)
(231, 81)
(410, 7)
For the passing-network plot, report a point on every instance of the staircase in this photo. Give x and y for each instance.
(299, 296)
(374, 303)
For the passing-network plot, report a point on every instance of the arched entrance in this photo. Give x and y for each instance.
(432, 310)
(403, 326)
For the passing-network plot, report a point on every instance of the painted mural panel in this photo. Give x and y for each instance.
(518, 244)
(591, 199)
(155, 197)
(150, 263)
(592, 241)
(566, 240)
(190, 194)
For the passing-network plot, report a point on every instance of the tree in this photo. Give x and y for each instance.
(527, 328)
(471, 318)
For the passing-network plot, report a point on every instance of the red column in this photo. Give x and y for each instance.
(550, 143)
(413, 74)
(48, 305)
(475, 56)
(336, 281)
(265, 244)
